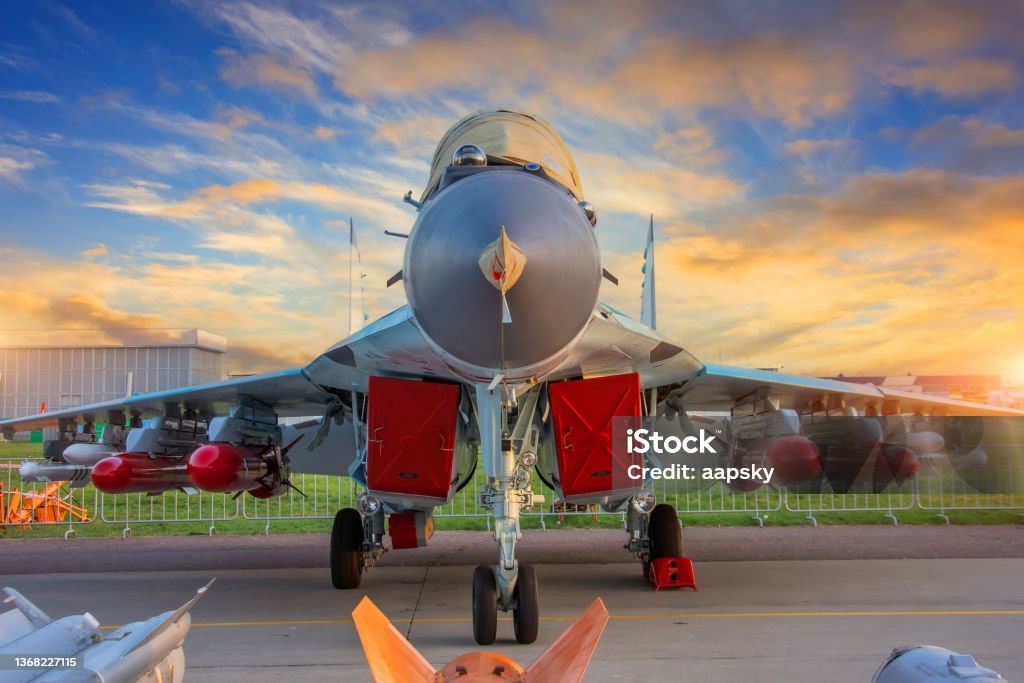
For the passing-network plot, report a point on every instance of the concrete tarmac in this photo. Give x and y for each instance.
(752, 620)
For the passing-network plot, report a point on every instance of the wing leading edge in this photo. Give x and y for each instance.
(720, 387)
(289, 391)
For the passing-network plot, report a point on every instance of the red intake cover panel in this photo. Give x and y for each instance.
(582, 412)
(411, 436)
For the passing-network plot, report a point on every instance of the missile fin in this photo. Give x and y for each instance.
(567, 658)
(392, 658)
(174, 617)
(37, 617)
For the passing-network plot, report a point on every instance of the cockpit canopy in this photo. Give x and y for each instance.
(512, 137)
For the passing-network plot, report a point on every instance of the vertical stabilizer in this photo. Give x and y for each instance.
(648, 306)
(392, 658)
(567, 658)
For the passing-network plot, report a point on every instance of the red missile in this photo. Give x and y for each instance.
(139, 473)
(223, 467)
(895, 463)
(795, 458)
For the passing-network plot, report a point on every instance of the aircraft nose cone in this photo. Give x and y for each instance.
(534, 236)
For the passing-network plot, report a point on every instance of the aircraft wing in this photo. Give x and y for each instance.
(719, 387)
(614, 343)
(391, 345)
(288, 391)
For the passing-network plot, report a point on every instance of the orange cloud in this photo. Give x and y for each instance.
(99, 249)
(806, 147)
(973, 130)
(919, 271)
(265, 70)
(962, 78)
(251, 305)
(325, 133)
(650, 186)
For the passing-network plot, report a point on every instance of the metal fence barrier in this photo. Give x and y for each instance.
(968, 483)
(173, 506)
(27, 504)
(888, 502)
(942, 485)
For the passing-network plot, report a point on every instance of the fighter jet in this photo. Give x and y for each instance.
(503, 356)
(34, 647)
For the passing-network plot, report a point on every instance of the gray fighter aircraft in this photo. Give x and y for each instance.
(503, 355)
(34, 647)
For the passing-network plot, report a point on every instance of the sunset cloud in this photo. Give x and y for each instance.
(833, 190)
(964, 78)
(264, 70)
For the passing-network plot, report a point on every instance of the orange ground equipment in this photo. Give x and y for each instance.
(393, 659)
(48, 506)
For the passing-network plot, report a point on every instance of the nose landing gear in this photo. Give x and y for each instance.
(525, 605)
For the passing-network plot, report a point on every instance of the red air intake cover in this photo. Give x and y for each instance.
(582, 412)
(412, 436)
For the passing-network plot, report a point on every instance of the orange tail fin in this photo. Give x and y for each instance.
(392, 658)
(567, 658)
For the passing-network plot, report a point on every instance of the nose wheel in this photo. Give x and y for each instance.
(525, 607)
(485, 606)
(526, 612)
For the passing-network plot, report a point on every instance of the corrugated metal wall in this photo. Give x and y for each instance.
(64, 377)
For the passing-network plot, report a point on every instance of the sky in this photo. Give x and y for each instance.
(836, 186)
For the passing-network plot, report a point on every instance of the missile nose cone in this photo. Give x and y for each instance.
(215, 467)
(112, 475)
(502, 271)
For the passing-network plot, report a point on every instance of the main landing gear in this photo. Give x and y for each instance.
(347, 549)
(657, 540)
(655, 535)
(356, 542)
(665, 538)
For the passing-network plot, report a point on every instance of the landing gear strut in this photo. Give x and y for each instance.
(508, 456)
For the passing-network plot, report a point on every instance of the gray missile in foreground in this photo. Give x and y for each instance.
(45, 471)
(34, 647)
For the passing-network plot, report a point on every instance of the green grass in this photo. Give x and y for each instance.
(294, 514)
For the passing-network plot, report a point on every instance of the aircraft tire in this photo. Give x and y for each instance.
(664, 533)
(526, 615)
(347, 549)
(485, 606)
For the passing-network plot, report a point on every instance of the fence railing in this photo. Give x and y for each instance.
(943, 484)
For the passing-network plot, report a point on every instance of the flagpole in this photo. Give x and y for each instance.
(351, 238)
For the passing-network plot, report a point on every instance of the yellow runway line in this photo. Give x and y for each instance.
(628, 617)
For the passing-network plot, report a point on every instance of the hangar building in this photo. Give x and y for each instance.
(67, 368)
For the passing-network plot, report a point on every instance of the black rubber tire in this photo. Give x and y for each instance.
(485, 606)
(347, 549)
(663, 530)
(526, 614)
